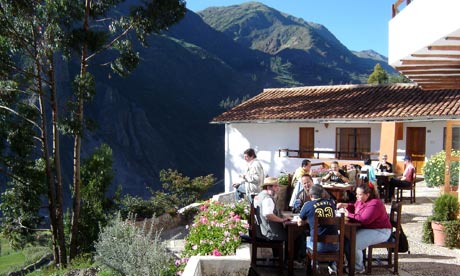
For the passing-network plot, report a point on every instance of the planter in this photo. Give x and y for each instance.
(439, 236)
(281, 202)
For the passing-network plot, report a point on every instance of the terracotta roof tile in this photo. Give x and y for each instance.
(346, 102)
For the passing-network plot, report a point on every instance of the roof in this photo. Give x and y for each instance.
(363, 102)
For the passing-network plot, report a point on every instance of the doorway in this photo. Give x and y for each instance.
(416, 146)
(306, 142)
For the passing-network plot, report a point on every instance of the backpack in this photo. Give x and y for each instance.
(403, 245)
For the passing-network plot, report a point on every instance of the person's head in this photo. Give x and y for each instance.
(271, 184)
(307, 181)
(249, 154)
(407, 159)
(384, 158)
(316, 191)
(367, 161)
(365, 192)
(335, 166)
(306, 164)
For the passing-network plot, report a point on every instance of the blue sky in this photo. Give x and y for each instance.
(358, 24)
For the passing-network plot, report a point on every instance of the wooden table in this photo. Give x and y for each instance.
(337, 189)
(384, 179)
(294, 230)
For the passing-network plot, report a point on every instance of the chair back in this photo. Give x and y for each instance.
(395, 220)
(339, 237)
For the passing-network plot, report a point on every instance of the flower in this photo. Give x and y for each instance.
(320, 172)
(216, 229)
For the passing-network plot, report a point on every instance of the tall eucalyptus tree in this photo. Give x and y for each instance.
(32, 35)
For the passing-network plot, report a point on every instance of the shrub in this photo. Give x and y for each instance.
(283, 179)
(445, 208)
(216, 230)
(434, 169)
(130, 250)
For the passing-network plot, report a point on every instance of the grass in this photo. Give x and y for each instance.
(12, 260)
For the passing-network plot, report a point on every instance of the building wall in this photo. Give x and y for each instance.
(267, 138)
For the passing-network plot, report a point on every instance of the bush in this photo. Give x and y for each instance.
(283, 179)
(434, 170)
(130, 250)
(445, 208)
(216, 230)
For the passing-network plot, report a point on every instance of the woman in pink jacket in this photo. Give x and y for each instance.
(375, 228)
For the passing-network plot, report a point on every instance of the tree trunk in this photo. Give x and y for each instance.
(57, 162)
(77, 146)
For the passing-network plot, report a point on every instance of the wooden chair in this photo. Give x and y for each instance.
(391, 245)
(315, 256)
(411, 188)
(363, 177)
(257, 242)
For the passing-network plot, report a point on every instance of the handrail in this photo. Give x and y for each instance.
(395, 7)
(337, 154)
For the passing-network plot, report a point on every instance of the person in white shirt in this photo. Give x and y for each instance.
(252, 179)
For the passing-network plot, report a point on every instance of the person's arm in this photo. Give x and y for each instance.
(274, 218)
(366, 215)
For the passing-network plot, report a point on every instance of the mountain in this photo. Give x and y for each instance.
(158, 117)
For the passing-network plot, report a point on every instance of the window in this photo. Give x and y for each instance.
(352, 142)
(455, 138)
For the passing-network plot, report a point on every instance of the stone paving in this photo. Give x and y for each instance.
(423, 260)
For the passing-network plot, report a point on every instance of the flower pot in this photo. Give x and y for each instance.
(439, 236)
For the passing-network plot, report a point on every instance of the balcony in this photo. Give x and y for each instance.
(424, 42)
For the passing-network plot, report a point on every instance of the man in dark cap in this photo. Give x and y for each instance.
(405, 180)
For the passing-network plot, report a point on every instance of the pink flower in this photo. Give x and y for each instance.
(226, 233)
(232, 213)
(216, 252)
(204, 220)
(195, 247)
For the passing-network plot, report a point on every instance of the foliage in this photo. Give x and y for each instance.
(427, 236)
(379, 76)
(398, 78)
(178, 191)
(13, 260)
(34, 36)
(434, 169)
(283, 179)
(445, 208)
(216, 229)
(132, 250)
(96, 207)
(452, 229)
(229, 103)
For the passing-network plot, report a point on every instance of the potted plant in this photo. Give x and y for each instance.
(434, 170)
(285, 190)
(445, 215)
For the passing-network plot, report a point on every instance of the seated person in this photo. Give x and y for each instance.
(326, 207)
(299, 172)
(375, 228)
(371, 172)
(270, 220)
(383, 165)
(405, 180)
(304, 194)
(297, 180)
(335, 174)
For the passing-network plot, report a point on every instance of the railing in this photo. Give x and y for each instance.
(395, 7)
(337, 154)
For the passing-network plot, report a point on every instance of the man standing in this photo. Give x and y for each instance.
(252, 179)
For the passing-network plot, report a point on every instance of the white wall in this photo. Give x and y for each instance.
(420, 24)
(266, 139)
